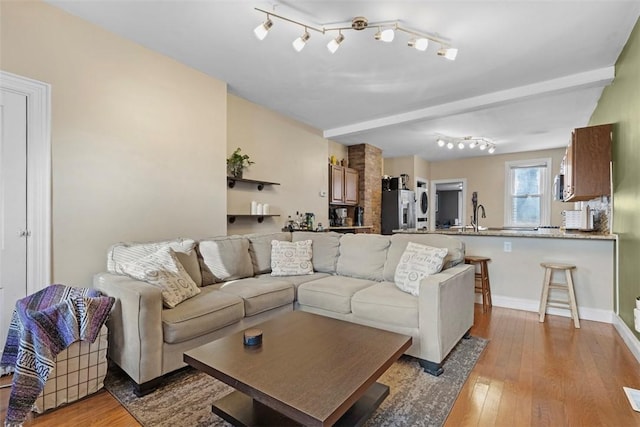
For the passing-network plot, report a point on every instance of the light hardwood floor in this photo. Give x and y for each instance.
(530, 374)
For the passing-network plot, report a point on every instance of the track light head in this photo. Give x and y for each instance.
(420, 44)
(492, 149)
(440, 142)
(473, 144)
(301, 42)
(262, 30)
(483, 146)
(448, 52)
(334, 44)
(385, 35)
(461, 145)
(449, 145)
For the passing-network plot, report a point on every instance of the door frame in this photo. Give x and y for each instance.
(38, 176)
(434, 193)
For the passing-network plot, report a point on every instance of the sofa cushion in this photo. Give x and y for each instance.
(260, 295)
(454, 246)
(210, 311)
(260, 249)
(363, 256)
(385, 303)
(331, 293)
(325, 249)
(291, 258)
(131, 251)
(224, 258)
(163, 270)
(416, 262)
(295, 281)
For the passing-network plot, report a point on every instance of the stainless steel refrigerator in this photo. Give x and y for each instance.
(398, 210)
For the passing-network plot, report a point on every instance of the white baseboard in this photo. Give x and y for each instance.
(627, 335)
(586, 313)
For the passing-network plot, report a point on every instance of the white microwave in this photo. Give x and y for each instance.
(579, 220)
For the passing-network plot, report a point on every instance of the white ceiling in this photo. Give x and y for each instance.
(526, 73)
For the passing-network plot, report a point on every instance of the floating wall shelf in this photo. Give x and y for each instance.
(231, 182)
(260, 218)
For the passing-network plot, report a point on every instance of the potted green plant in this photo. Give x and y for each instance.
(237, 162)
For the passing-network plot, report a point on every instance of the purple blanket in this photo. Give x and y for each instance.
(44, 324)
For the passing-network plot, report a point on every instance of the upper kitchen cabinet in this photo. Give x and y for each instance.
(343, 185)
(587, 167)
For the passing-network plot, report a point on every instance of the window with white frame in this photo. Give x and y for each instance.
(527, 193)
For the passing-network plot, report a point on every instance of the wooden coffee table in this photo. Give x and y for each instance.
(310, 370)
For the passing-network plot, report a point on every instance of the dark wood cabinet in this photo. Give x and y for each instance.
(587, 164)
(343, 185)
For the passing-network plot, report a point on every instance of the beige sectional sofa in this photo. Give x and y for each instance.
(352, 280)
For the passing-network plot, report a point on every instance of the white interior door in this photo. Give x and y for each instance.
(13, 205)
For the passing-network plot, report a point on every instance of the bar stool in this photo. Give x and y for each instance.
(545, 301)
(481, 278)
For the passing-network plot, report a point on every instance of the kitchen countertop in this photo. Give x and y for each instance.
(355, 227)
(541, 233)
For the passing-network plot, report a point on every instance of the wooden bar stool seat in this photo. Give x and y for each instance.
(567, 286)
(482, 284)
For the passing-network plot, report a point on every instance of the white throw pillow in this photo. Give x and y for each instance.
(163, 270)
(131, 251)
(416, 262)
(291, 258)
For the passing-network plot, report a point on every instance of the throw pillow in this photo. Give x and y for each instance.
(131, 251)
(416, 262)
(163, 270)
(291, 258)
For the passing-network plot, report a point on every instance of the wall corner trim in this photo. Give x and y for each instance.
(627, 336)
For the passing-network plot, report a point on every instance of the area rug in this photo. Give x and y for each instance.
(415, 399)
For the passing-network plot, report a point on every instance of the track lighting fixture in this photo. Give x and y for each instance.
(262, 30)
(334, 44)
(386, 31)
(467, 142)
(300, 42)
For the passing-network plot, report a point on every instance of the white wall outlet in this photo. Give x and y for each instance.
(636, 318)
(507, 246)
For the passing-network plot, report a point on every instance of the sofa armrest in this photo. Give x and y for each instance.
(135, 325)
(445, 309)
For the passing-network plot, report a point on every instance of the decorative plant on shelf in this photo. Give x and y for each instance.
(237, 162)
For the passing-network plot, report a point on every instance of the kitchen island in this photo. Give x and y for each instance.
(516, 276)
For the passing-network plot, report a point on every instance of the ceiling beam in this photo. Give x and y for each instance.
(594, 78)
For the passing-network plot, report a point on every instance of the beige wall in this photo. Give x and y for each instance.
(138, 140)
(395, 166)
(620, 105)
(414, 166)
(486, 176)
(284, 151)
(338, 150)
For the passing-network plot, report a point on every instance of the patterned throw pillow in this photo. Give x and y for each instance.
(163, 270)
(291, 258)
(131, 251)
(416, 262)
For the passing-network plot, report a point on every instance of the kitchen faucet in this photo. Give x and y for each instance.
(476, 223)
